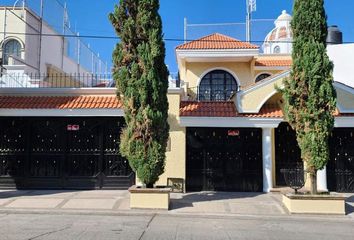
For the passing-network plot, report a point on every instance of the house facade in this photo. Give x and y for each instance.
(227, 128)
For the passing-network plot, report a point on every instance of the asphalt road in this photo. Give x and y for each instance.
(167, 226)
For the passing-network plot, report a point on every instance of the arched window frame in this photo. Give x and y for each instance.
(212, 96)
(262, 73)
(4, 50)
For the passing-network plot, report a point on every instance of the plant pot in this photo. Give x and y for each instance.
(315, 204)
(149, 198)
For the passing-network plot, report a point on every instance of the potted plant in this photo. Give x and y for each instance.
(142, 83)
(310, 101)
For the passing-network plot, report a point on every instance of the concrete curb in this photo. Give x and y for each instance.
(305, 217)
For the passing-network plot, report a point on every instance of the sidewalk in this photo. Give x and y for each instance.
(117, 201)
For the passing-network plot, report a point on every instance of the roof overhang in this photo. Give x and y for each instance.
(216, 55)
(96, 112)
(230, 122)
(271, 68)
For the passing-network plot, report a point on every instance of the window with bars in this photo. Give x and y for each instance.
(217, 85)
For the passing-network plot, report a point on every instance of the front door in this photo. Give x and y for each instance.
(340, 168)
(223, 159)
(287, 152)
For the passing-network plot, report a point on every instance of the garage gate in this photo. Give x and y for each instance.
(62, 153)
(340, 167)
(223, 159)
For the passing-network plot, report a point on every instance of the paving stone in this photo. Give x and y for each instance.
(89, 204)
(34, 203)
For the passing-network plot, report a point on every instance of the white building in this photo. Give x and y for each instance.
(279, 40)
(31, 48)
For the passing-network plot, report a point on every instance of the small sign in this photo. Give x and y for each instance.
(71, 127)
(233, 133)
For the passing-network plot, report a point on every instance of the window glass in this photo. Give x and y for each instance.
(217, 85)
(11, 48)
(262, 76)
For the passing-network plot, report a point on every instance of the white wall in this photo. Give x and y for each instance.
(342, 56)
(52, 46)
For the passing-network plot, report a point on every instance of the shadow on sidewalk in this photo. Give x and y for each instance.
(349, 205)
(189, 199)
(11, 193)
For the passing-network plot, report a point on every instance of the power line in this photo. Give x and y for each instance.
(117, 38)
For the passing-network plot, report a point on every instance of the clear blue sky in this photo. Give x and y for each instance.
(90, 18)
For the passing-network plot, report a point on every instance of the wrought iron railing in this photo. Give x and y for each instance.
(55, 80)
(214, 95)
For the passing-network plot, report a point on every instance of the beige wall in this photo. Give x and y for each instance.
(191, 72)
(252, 100)
(176, 150)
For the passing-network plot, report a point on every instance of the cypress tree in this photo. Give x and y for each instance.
(310, 99)
(142, 82)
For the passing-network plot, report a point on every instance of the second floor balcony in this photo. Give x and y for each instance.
(17, 79)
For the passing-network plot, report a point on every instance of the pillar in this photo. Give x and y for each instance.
(267, 159)
(322, 180)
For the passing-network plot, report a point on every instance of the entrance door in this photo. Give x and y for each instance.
(287, 152)
(220, 159)
(340, 168)
(73, 153)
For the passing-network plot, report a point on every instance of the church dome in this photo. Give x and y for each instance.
(278, 41)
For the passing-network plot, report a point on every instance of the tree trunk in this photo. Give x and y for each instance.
(313, 182)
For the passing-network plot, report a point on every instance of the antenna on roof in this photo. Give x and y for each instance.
(251, 6)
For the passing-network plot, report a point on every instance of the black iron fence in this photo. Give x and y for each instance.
(55, 80)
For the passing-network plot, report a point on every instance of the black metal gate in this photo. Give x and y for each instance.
(287, 152)
(222, 159)
(340, 168)
(72, 153)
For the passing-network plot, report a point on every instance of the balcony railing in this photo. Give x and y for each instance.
(214, 95)
(56, 80)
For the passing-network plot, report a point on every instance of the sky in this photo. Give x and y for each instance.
(90, 17)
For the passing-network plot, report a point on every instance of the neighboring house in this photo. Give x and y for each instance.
(227, 128)
(34, 53)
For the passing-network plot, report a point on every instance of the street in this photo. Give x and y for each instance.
(172, 226)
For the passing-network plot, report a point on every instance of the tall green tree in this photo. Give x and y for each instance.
(310, 99)
(142, 82)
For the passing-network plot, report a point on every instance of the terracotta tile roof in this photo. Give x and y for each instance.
(267, 111)
(224, 109)
(59, 102)
(273, 62)
(228, 109)
(207, 109)
(216, 41)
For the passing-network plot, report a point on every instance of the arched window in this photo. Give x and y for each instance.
(11, 47)
(276, 49)
(262, 76)
(217, 85)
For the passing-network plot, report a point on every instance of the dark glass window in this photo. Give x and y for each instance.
(11, 47)
(262, 76)
(217, 85)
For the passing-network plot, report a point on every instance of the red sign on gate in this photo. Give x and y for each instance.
(71, 127)
(233, 133)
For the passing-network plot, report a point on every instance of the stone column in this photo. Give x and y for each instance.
(267, 159)
(322, 180)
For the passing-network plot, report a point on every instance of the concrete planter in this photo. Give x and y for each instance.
(315, 204)
(149, 198)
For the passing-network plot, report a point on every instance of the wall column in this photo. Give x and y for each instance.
(267, 159)
(322, 180)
